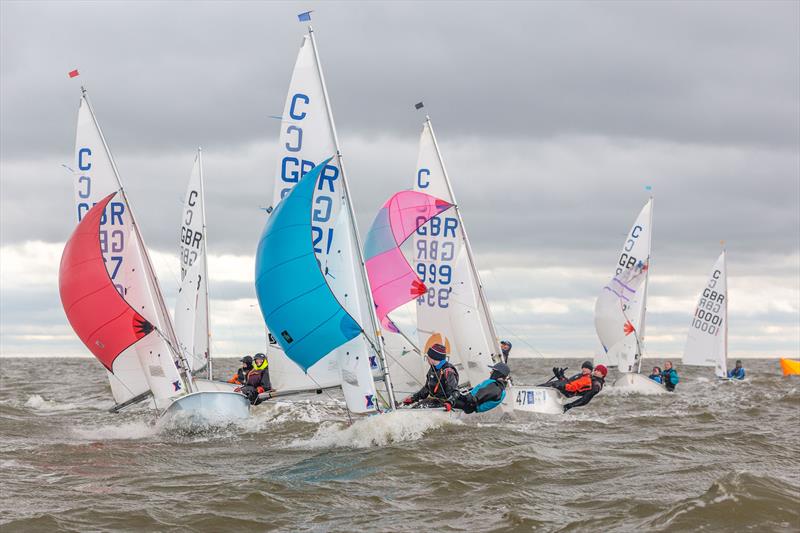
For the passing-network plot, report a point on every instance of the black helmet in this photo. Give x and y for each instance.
(587, 364)
(260, 356)
(500, 370)
(247, 360)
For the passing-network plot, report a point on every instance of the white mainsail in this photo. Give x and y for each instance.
(148, 365)
(620, 308)
(191, 307)
(307, 138)
(707, 341)
(454, 312)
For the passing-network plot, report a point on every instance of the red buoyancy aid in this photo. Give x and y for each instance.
(582, 384)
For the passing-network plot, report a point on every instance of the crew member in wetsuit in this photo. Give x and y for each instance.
(669, 376)
(505, 348)
(440, 382)
(486, 395)
(240, 376)
(257, 380)
(585, 386)
(737, 372)
(656, 375)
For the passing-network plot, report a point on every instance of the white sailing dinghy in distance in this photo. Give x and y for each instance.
(707, 340)
(111, 295)
(621, 306)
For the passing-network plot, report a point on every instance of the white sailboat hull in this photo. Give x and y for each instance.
(543, 400)
(209, 407)
(637, 383)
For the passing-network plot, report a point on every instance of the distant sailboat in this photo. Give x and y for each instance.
(621, 307)
(707, 341)
(191, 307)
(111, 295)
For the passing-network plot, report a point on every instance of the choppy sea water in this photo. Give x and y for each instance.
(713, 456)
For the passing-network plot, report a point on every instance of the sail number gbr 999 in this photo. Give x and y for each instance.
(436, 251)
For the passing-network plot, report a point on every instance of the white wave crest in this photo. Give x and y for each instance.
(125, 431)
(376, 430)
(40, 404)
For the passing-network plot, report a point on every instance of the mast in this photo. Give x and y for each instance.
(373, 319)
(640, 339)
(169, 334)
(468, 247)
(205, 259)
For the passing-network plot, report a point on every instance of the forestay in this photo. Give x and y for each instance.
(191, 308)
(453, 311)
(295, 298)
(95, 178)
(307, 138)
(706, 344)
(620, 308)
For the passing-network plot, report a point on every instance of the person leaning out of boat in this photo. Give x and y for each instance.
(655, 375)
(737, 372)
(585, 387)
(484, 396)
(505, 348)
(441, 380)
(257, 380)
(240, 376)
(669, 376)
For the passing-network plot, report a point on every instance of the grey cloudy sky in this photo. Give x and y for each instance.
(552, 116)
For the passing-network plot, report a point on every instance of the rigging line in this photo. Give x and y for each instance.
(514, 334)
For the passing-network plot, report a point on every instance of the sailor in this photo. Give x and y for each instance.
(440, 382)
(737, 372)
(257, 380)
(655, 375)
(586, 387)
(505, 348)
(486, 395)
(586, 369)
(241, 373)
(669, 377)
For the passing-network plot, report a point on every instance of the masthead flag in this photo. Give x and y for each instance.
(419, 105)
(304, 17)
(73, 73)
(648, 187)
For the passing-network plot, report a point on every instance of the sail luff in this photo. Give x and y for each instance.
(205, 296)
(170, 337)
(643, 310)
(487, 313)
(354, 230)
(725, 324)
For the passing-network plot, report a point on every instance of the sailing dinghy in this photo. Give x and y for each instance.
(619, 314)
(111, 295)
(307, 139)
(707, 341)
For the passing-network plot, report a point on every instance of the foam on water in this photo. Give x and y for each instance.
(40, 404)
(135, 430)
(377, 430)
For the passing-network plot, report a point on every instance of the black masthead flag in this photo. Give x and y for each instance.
(419, 105)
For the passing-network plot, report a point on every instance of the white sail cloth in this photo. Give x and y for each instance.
(620, 307)
(706, 343)
(452, 312)
(191, 307)
(148, 365)
(307, 138)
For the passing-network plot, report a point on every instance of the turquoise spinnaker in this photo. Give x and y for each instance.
(298, 306)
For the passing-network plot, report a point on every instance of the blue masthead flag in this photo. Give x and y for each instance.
(648, 187)
(304, 17)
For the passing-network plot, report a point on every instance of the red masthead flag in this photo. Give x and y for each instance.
(73, 73)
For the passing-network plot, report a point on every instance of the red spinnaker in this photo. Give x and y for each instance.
(100, 316)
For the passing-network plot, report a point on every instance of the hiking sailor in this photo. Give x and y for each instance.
(441, 380)
(257, 380)
(486, 395)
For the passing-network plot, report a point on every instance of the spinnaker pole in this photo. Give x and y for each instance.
(468, 247)
(373, 318)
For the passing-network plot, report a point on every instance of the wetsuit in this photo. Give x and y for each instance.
(240, 377)
(736, 373)
(505, 354)
(441, 382)
(655, 377)
(484, 396)
(586, 390)
(669, 378)
(257, 381)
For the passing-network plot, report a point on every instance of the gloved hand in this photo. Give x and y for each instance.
(237, 389)
(448, 406)
(408, 400)
(561, 373)
(260, 389)
(556, 371)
